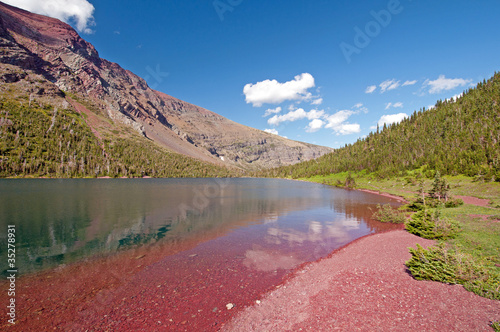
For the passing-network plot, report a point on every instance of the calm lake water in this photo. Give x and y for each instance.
(277, 224)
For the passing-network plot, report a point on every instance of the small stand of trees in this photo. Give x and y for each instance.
(439, 194)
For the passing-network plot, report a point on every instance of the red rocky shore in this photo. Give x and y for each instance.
(366, 287)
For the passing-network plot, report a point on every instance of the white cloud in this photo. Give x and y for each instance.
(272, 111)
(274, 92)
(409, 82)
(337, 123)
(318, 101)
(319, 119)
(395, 105)
(337, 118)
(361, 107)
(271, 131)
(370, 89)
(315, 114)
(78, 11)
(391, 118)
(388, 85)
(315, 125)
(348, 128)
(290, 116)
(298, 114)
(444, 84)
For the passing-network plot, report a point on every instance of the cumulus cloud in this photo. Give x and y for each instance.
(271, 131)
(409, 82)
(274, 92)
(337, 123)
(319, 119)
(338, 118)
(290, 116)
(444, 84)
(391, 118)
(78, 11)
(388, 85)
(315, 125)
(347, 129)
(298, 114)
(370, 89)
(315, 114)
(272, 111)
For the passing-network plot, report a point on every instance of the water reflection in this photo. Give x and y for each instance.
(266, 261)
(61, 221)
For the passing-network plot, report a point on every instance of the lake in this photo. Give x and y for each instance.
(178, 242)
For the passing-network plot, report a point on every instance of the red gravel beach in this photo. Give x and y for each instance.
(366, 287)
(363, 286)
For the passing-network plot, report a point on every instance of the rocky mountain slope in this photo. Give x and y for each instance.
(46, 61)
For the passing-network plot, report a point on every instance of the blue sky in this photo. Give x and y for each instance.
(319, 71)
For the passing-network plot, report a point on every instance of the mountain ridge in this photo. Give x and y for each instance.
(49, 48)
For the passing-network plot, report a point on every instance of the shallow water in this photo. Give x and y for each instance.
(65, 220)
(167, 254)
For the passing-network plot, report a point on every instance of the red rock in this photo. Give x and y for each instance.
(52, 49)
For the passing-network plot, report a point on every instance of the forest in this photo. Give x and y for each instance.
(44, 141)
(459, 136)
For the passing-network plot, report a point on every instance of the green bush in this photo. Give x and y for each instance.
(386, 213)
(418, 204)
(453, 202)
(414, 205)
(496, 326)
(430, 226)
(439, 264)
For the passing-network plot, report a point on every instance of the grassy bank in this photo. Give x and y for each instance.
(471, 256)
(407, 186)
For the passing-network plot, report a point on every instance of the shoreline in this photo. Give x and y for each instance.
(233, 315)
(396, 197)
(103, 291)
(366, 284)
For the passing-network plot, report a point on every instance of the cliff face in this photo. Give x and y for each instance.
(45, 57)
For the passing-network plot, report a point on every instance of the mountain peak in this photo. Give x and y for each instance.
(54, 50)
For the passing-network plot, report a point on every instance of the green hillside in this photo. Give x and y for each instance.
(43, 141)
(455, 137)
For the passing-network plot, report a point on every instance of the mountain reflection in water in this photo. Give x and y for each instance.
(62, 221)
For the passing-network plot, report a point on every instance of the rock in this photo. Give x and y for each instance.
(64, 61)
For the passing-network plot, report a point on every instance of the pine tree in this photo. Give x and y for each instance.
(440, 188)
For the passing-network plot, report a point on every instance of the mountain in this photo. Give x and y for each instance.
(457, 136)
(45, 63)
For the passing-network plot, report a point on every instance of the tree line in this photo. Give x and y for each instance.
(43, 141)
(459, 136)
